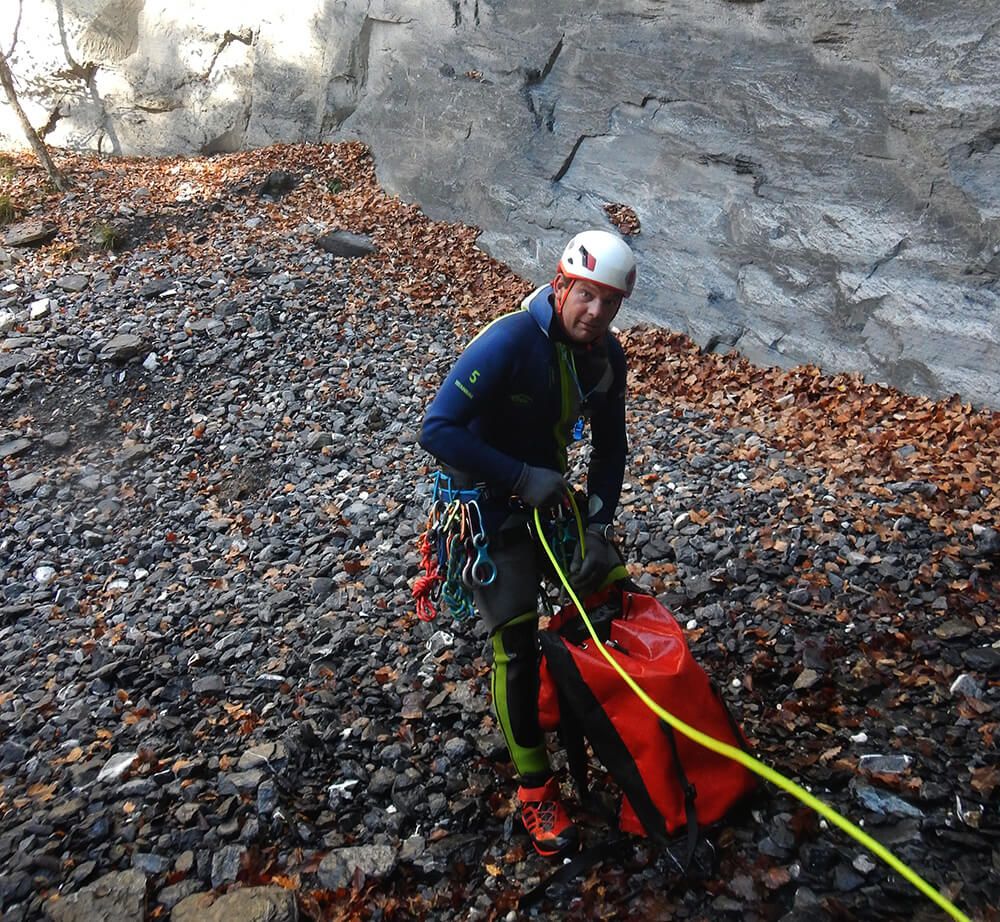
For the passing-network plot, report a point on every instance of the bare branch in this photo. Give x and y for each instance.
(37, 144)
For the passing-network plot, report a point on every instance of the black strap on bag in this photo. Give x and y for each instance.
(690, 795)
(574, 742)
(608, 745)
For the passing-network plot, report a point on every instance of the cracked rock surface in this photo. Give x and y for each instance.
(815, 183)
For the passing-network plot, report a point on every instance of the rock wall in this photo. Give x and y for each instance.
(815, 182)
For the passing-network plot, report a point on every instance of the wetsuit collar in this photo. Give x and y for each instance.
(539, 305)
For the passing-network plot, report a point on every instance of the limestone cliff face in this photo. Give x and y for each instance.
(816, 182)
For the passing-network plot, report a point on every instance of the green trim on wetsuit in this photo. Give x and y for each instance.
(614, 575)
(515, 695)
(569, 406)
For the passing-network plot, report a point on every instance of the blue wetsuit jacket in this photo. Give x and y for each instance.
(514, 396)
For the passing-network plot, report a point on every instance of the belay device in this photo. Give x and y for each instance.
(668, 782)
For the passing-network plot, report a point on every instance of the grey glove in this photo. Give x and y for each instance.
(540, 486)
(589, 570)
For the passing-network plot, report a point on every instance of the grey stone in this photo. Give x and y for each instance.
(343, 243)
(27, 233)
(250, 904)
(149, 863)
(456, 748)
(58, 439)
(22, 486)
(374, 861)
(267, 798)
(192, 907)
(14, 361)
(284, 598)
(73, 282)
(806, 679)
(14, 448)
(66, 811)
(116, 897)
(172, 895)
(317, 440)
(117, 765)
(265, 755)
(39, 309)
(987, 540)
(882, 802)
(846, 879)
(132, 454)
(983, 659)
(954, 629)
(967, 685)
(185, 813)
(155, 288)
(322, 586)
(277, 183)
(412, 848)
(226, 863)
(209, 685)
(119, 349)
(242, 782)
(885, 764)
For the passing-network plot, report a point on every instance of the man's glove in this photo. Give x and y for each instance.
(540, 486)
(589, 570)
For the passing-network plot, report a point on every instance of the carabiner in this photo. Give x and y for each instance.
(476, 529)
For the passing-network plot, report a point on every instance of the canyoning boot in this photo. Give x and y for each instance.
(545, 819)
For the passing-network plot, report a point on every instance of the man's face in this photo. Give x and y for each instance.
(588, 309)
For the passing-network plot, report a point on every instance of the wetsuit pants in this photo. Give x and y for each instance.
(509, 609)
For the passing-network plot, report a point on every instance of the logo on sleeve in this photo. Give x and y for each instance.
(473, 378)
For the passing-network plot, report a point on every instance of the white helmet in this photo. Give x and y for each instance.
(601, 257)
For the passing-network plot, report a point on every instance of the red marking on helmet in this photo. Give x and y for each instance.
(589, 260)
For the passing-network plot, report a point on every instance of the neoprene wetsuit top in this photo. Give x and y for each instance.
(515, 395)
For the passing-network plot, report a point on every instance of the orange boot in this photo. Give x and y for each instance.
(551, 830)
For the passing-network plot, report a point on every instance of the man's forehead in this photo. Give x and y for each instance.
(595, 288)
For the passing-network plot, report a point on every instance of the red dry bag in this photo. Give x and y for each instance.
(667, 781)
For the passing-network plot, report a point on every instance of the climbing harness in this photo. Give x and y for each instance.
(454, 552)
(744, 758)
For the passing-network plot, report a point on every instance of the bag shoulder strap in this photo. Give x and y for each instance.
(690, 795)
(608, 745)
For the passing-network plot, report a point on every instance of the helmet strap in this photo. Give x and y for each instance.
(561, 298)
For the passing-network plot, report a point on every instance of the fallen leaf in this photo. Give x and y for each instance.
(986, 779)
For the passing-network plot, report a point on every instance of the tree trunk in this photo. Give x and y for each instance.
(37, 144)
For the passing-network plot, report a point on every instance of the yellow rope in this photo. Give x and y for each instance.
(748, 761)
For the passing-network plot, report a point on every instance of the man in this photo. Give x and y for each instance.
(523, 388)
